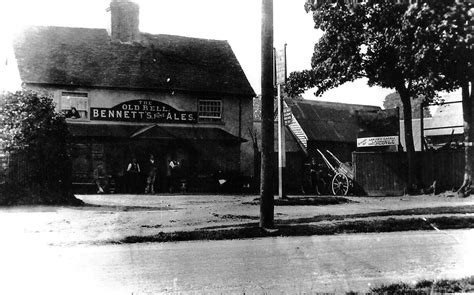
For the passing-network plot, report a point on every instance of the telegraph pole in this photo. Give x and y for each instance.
(266, 184)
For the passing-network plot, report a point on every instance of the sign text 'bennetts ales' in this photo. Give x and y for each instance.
(149, 111)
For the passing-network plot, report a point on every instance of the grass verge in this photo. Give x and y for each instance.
(318, 218)
(343, 227)
(463, 285)
(406, 212)
(306, 201)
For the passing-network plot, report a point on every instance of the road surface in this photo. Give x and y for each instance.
(289, 265)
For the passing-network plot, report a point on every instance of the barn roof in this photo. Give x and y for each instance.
(328, 121)
(446, 123)
(88, 57)
(291, 144)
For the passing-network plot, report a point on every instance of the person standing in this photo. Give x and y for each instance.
(151, 175)
(133, 171)
(100, 179)
(314, 175)
(174, 167)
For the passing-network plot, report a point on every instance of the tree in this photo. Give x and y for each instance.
(451, 26)
(30, 127)
(393, 100)
(375, 40)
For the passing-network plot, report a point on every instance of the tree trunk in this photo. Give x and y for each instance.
(409, 145)
(467, 106)
(266, 186)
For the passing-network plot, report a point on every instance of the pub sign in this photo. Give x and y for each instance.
(148, 111)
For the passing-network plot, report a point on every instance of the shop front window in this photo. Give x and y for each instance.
(75, 105)
(210, 110)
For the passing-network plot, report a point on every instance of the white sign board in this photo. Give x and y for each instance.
(287, 115)
(280, 65)
(377, 141)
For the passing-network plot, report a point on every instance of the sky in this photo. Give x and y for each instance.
(238, 22)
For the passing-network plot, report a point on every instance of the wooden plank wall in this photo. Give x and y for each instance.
(385, 174)
(379, 173)
(447, 168)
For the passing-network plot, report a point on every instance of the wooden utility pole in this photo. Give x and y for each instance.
(266, 184)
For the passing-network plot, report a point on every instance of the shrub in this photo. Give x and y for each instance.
(33, 132)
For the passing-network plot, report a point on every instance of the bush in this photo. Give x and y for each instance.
(33, 132)
(14, 195)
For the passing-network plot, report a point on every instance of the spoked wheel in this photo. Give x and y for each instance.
(340, 185)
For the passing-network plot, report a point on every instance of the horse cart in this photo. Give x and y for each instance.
(342, 174)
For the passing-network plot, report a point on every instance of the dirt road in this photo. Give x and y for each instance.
(289, 265)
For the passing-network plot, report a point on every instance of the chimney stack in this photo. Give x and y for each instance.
(124, 21)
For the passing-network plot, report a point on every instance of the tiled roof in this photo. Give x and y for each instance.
(449, 114)
(328, 121)
(102, 130)
(447, 122)
(190, 133)
(291, 145)
(152, 132)
(87, 57)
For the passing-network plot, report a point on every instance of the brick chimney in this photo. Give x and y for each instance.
(124, 21)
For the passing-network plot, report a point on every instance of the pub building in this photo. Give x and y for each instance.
(128, 94)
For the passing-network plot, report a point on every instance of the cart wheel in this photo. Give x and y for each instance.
(340, 185)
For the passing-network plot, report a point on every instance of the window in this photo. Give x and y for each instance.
(75, 101)
(210, 110)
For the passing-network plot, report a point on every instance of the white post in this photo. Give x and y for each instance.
(280, 70)
(281, 143)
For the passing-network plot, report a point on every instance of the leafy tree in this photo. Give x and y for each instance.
(381, 40)
(31, 129)
(451, 56)
(393, 101)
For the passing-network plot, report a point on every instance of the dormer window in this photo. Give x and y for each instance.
(75, 105)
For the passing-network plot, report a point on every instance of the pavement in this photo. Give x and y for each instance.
(109, 218)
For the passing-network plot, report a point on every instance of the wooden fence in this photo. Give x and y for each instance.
(385, 174)
(376, 173)
(14, 168)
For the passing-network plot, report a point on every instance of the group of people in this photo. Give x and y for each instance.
(134, 176)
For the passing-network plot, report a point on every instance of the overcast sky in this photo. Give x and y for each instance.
(236, 21)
